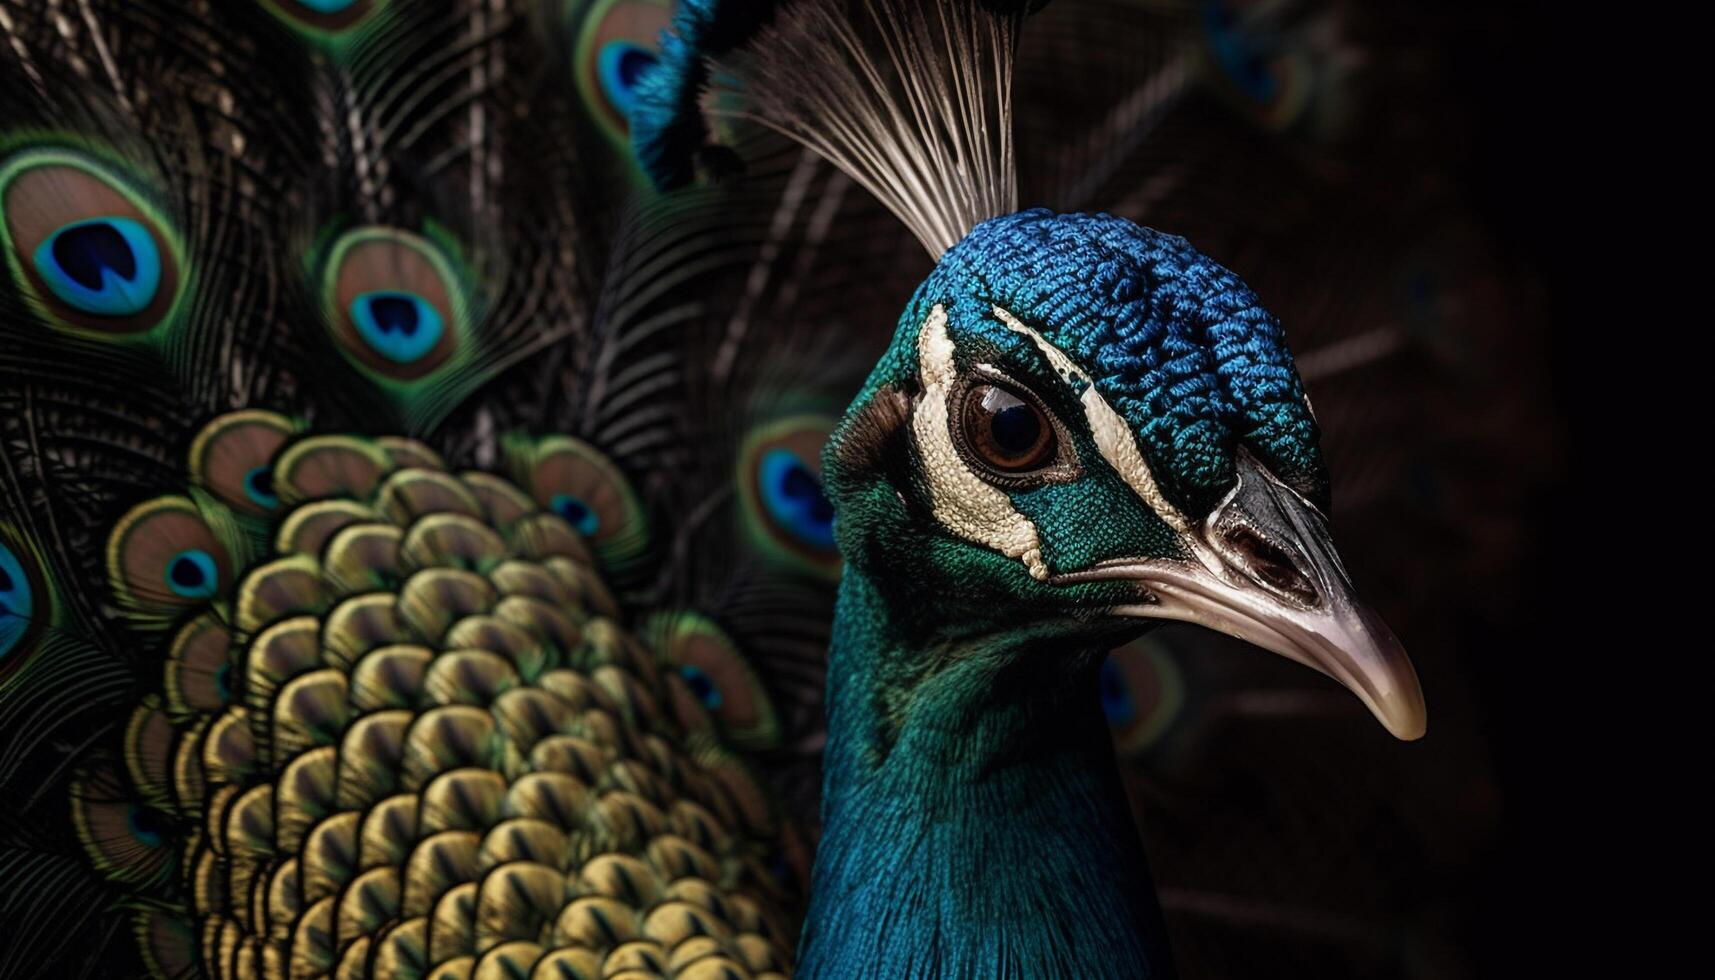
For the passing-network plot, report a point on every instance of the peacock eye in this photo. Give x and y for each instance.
(102, 266)
(259, 487)
(322, 18)
(580, 485)
(577, 512)
(621, 67)
(191, 573)
(1007, 432)
(616, 49)
(1142, 694)
(702, 685)
(779, 479)
(86, 244)
(17, 600)
(164, 557)
(399, 326)
(395, 303)
(793, 496)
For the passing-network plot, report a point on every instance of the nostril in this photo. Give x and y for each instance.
(1270, 563)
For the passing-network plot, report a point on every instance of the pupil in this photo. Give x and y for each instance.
(394, 314)
(700, 685)
(633, 64)
(147, 822)
(6, 583)
(185, 572)
(821, 511)
(262, 481)
(83, 252)
(573, 510)
(1015, 428)
(798, 484)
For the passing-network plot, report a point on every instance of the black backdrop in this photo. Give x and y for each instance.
(1592, 170)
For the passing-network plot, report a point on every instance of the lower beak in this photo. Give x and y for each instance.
(1265, 571)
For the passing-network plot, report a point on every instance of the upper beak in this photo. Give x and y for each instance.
(1265, 570)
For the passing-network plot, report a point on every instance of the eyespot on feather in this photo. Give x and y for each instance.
(322, 19)
(617, 43)
(233, 456)
(1268, 81)
(25, 603)
(162, 555)
(86, 246)
(128, 841)
(716, 673)
(573, 480)
(780, 488)
(393, 303)
(1142, 692)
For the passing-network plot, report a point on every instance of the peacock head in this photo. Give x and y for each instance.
(1085, 426)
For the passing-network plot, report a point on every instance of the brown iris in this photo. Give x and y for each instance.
(1005, 431)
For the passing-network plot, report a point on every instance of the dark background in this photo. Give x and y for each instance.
(1519, 487)
(1592, 172)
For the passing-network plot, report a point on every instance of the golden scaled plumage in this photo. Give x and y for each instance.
(417, 742)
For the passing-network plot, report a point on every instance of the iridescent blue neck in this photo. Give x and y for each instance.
(972, 830)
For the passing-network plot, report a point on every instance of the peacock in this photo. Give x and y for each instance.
(474, 506)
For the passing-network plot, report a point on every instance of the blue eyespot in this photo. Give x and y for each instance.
(1238, 52)
(191, 573)
(147, 826)
(702, 686)
(327, 6)
(794, 498)
(101, 266)
(259, 487)
(577, 513)
(401, 327)
(621, 66)
(17, 600)
(1116, 697)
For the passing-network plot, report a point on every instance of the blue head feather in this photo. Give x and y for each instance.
(667, 125)
(1177, 343)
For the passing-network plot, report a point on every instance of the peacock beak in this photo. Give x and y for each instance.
(1264, 569)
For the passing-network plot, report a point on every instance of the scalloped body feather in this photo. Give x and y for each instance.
(419, 743)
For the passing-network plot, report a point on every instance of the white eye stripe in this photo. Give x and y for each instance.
(1113, 436)
(962, 501)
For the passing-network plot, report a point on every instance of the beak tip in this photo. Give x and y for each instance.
(1410, 729)
(1403, 713)
(1389, 684)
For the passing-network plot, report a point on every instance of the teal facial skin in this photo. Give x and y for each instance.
(1081, 427)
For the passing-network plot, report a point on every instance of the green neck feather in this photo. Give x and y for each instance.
(975, 825)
